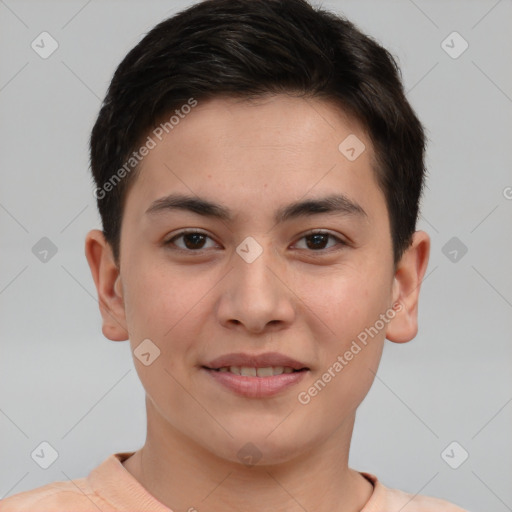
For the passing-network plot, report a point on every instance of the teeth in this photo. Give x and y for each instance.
(246, 371)
(266, 372)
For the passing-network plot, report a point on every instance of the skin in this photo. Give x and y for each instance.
(305, 302)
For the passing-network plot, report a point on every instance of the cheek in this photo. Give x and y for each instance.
(346, 301)
(169, 309)
(349, 358)
(160, 307)
(351, 307)
(337, 391)
(157, 300)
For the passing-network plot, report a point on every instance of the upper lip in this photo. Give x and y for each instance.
(255, 361)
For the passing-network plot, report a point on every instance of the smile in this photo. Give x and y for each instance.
(252, 382)
(247, 371)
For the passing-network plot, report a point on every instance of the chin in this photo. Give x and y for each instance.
(258, 448)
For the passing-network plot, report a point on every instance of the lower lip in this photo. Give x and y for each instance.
(256, 387)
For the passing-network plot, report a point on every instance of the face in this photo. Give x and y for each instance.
(258, 271)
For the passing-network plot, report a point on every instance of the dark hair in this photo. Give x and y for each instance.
(248, 49)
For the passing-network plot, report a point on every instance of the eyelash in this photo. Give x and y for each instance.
(199, 251)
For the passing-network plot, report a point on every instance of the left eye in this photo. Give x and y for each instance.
(317, 240)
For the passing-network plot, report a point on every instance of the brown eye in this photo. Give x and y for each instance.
(318, 241)
(191, 241)
(194, 240)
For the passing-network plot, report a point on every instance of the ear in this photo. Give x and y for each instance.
(107, 279)
(406, 289)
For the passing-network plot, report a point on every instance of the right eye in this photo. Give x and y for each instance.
(193, 241)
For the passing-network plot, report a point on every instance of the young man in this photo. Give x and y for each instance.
(258, 172)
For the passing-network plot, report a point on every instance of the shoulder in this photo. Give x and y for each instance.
(384, 498)
(74, 495)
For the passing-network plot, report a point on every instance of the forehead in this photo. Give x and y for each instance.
(302, 126)
(258, 153)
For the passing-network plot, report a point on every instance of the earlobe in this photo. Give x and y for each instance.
(107, 280)
(406, 288)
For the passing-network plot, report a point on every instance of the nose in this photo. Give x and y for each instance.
(256, 296)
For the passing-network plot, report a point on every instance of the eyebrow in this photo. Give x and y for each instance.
(332, 204)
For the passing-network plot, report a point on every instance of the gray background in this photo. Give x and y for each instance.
(62, 382)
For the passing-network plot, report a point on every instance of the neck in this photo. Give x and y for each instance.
(185, 476)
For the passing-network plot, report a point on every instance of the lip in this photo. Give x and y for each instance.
(255, 387)
(255, 361)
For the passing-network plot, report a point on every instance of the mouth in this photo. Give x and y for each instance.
(255, 375)
(256, 381)
(262, 372)
(251, 365)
